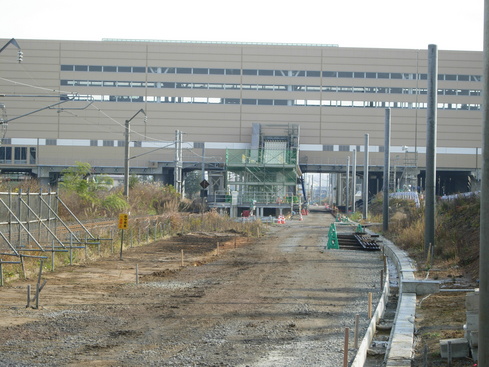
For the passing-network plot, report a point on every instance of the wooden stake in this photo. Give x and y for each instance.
(28, 296)
(23, 266)
(345, 348)
(37, 295)
(182, 258)
(369, 305)
(52, 258)
(357, 326)
(137, 274)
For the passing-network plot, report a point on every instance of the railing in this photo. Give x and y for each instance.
(259, 157)
(250, 199)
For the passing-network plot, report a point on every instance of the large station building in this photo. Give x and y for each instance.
(232, 104)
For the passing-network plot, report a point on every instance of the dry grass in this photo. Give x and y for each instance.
(141, 230)
(456, 233)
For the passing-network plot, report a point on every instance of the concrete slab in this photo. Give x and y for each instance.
(420, 287)
(472, 301)
(472, 323)
(460, 347)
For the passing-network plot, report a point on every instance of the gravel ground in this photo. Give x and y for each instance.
(280, 301)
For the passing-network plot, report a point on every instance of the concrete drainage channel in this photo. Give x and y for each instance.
(395, 311)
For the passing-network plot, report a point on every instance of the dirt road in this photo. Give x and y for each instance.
(281, 300)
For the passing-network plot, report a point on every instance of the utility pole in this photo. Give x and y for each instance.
(387, 169)
(177, 176)
(484, 210)
(365, 179)
(354, 180)
(430, 183)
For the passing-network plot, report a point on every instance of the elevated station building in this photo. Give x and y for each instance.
(69, 101)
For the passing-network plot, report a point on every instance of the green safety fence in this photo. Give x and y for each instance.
(333, 237)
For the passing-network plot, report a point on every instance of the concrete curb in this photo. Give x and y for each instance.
(361, 355)
(400, 348)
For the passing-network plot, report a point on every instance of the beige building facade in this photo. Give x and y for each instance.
(68, 101)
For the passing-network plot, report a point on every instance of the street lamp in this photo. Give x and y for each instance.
(126, 153)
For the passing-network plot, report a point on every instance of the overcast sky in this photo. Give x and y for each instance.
(450, 24)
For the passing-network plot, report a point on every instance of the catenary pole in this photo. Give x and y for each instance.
(354, 180)
(387, 169)
(365, 179)
(484, 210)
(430, 183)
(127, 133)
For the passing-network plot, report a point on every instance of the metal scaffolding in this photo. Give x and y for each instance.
(30, 224)
(263, 176)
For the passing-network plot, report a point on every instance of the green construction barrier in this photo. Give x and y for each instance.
(332, 237)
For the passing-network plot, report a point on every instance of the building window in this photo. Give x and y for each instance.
(32, 155)
(67, 67)
(345, 74)
(201, 71)
(5, 154)
(124, 69)
(315, 74)
(249, 101)
(280, 102)
(50, 141)
(233, 72)
(216, 71)
(94, 68)
(20, 155)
